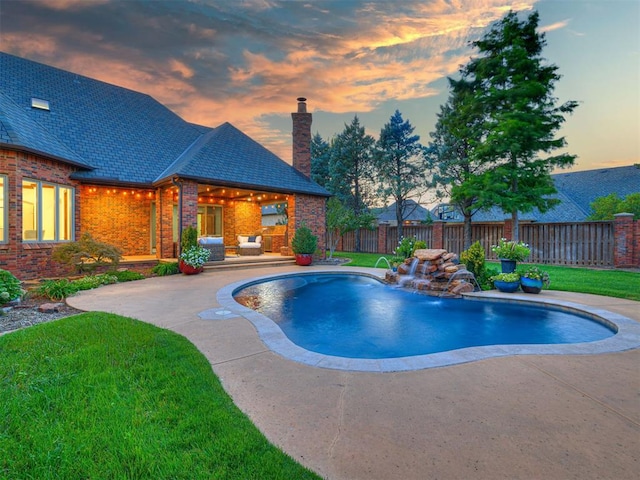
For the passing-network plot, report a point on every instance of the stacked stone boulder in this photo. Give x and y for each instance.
(434, 272)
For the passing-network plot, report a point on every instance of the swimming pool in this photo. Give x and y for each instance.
(627, 336)
(356, 316)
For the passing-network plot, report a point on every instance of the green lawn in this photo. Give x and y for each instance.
(613, 283)
(102, 396)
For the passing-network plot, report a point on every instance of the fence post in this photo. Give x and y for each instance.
(383, 231)
(507, 230)
(437, 234)
(625, 248)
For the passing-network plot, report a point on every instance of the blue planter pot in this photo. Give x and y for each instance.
(508, 266)
(507, 287)
(529, 285)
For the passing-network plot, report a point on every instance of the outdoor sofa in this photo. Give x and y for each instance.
(215, 245)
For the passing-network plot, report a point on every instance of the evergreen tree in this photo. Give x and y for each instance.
(320, 155)
(351, 170)
(515, 89)
(400, 166)
(457, 173)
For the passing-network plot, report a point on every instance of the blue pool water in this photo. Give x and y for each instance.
(359, 317)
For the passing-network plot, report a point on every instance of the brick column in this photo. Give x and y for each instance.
(164, 222)
(625, 241)
(383, 233)
(189, 204)
(437, 234)
(507, 230)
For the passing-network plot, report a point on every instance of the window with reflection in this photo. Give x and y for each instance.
(210, 220)
(47, 211)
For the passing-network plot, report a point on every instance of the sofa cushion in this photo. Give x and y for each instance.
(247, 239)
(210, 240)
(249, 245)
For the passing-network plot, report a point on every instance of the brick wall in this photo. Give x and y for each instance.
(248, 218)
(309, 210)
(30, 260)
(118, 216)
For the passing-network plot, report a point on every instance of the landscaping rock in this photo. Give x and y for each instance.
(429, 254)
(50, 307)
(435, 272)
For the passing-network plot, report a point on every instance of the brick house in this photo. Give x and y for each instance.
(79, 155)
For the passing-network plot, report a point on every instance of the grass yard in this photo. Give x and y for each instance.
(613, 283)
(102, 396)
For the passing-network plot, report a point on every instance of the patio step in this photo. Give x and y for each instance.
(241, 263)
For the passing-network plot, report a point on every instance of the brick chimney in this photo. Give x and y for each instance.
(302, 138)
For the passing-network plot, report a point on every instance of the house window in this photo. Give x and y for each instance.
(47, 212)
(3, 210)
(210, 220)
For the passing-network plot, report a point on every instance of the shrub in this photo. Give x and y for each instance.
(189, 238)
(304, 241)
(405, 247)
(166, 268)
(56, 289)
(10, 287)
(474, 259)
(62, 288)
(94, 281)
(87, 254)
(419, 244)
(125, 275)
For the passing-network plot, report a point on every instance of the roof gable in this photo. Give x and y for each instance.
(233, 158)
(123, 136)
(413, 212)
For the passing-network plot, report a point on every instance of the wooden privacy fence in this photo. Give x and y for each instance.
(579, 244)
(585, 243)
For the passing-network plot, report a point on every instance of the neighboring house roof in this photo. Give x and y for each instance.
(121, 136)
(576, 192)
(413, 212)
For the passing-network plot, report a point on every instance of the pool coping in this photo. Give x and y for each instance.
(627, 336)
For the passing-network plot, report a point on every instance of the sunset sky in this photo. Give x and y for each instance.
(246, 61)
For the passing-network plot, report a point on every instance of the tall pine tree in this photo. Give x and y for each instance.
(457, 174)
(514, 86)
(400, 166)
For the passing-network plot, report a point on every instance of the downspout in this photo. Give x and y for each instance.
(176, 183)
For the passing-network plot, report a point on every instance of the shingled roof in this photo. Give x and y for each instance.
(413, 212)
(576, 192)
(119, 136)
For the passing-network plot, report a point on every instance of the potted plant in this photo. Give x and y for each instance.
(304, 244)
(506, 282)
(193, 256)
(533, 280)
(192, 260)
(509, 253)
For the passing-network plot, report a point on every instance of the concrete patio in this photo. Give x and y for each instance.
(527, 416)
